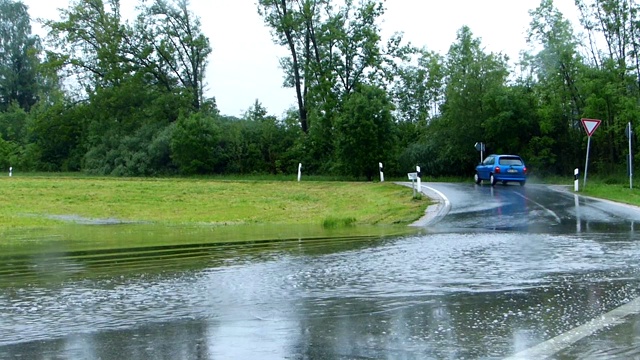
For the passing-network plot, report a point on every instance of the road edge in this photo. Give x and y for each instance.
(434, 212)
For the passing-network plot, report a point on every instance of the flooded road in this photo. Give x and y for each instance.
(506, 269)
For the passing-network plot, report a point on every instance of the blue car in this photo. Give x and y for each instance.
(503, 168)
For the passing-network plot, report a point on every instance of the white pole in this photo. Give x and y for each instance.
(419, 181)
(576, 182)
(381, 173)
(630, 159)
(10, 171)
(577, 205)
(299, 171)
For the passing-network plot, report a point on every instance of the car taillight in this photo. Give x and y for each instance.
(525, 169)
(497, 170)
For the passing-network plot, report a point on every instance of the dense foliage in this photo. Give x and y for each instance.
(105, 96)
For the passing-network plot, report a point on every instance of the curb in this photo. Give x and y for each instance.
(434, 212)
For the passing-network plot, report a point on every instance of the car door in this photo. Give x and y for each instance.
(485, 169)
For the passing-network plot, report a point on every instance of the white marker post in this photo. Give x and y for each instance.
(576, 182)
(629, 133)
(418, 180)
(10, 171)
(299, 171)
(381, 173)
(590, 125)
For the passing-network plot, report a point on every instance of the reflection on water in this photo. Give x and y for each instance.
(426, 296)
(87, 251)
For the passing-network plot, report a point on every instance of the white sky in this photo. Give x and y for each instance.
(244, 63)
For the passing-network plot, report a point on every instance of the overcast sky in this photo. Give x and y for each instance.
(244, 64)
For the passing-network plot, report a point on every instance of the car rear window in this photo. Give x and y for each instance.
(510, 161)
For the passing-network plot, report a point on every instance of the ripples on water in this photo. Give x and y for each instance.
(472, 291)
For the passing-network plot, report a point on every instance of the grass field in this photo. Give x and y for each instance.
(614, 192)
(49, 201)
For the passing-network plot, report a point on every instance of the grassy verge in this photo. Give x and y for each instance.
(615, 192)
(614, 187)
(48, 201)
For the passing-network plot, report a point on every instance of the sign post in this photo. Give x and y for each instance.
(480, 147)
(413, 177)
(590, 125)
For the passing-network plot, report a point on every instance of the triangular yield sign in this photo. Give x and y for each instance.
(590, 125)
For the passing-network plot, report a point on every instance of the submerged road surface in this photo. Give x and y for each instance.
(508, 269)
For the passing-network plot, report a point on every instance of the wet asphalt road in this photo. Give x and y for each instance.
(506, 269)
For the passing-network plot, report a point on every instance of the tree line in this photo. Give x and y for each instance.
(107, 96)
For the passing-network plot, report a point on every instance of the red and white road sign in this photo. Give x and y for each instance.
(590, 125)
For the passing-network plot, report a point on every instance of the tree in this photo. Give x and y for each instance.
(418, 95)
(365, 132)
(87, 43)
(165, 47)
(332, 49)
(194, 145)
(293, 24)
(169, 45)
(611, 84)
(12, 136)
(419, 88)
(512, 120)
(56, 133)
(19, 61)
(472, 77)
(557, 69)
(135, 79)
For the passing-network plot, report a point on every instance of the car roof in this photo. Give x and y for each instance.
(501, 155)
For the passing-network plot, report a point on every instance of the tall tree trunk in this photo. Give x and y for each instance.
(302, 109)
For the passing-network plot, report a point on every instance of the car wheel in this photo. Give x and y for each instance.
(476, 178)
(522, 183)
(492, 180)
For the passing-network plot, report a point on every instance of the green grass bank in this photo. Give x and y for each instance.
(614, 187)
(615, 192)
(48, 201)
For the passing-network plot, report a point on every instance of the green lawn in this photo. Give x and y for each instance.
(49, 201)
(614, 192)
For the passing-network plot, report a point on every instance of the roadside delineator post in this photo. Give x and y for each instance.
(381, 173)
(418, 180)
(576, 181)
(10, 171)
(299, 171)
(629, 133)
